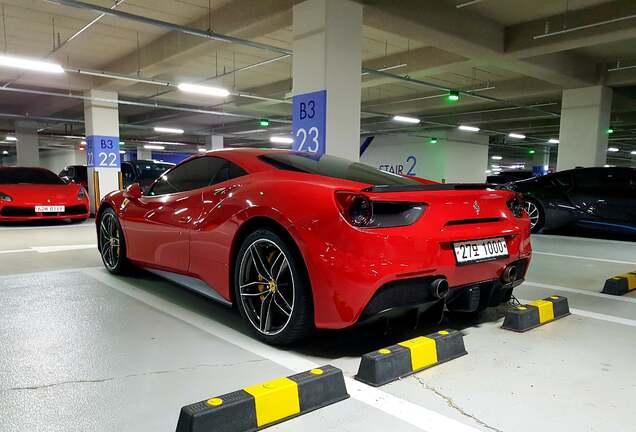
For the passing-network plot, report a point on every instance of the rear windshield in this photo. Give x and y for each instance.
(332, 166)
(28, 176)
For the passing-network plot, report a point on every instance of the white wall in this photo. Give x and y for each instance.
(56, 159)
(457, 157)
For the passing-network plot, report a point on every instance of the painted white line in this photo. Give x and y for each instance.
(547, 237)
(62, 248)
(14, 251)
(584, 258)
(604, 317)
(50, 249)
(581, 291)
(416, 415)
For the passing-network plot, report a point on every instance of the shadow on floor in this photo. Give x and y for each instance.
(329, 344)
(44, 223)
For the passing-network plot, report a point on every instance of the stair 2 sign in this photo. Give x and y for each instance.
(309, 122)
(102, 151)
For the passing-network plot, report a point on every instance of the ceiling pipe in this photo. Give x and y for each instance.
(584, 27)
(231, 39)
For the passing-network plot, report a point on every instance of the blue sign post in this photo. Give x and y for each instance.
(309, 122)
(103, 152)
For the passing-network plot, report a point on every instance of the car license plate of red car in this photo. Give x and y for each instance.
(49, 209)
(472, 251)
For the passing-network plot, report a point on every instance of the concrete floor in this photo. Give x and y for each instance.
(82, 350)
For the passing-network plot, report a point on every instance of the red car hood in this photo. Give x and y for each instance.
(38, 194)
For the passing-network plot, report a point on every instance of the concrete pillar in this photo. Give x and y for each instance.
(143, 154)
(585, 118)
(101, 118)
(27, 146)
(328, 56)
(214, 142)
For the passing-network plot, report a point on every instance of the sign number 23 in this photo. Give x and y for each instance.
(308, 141)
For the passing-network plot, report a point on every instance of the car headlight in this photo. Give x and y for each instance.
(360, 211)
(82, 194)
(4, 197)
(517, 205)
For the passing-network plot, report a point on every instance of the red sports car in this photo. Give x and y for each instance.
(298, 242)
(35, 193)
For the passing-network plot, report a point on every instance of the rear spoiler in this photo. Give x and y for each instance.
(431, 187)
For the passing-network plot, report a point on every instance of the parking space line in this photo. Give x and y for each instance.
(14, 251)
(584, 258)
(50, 249)
(604, 317)
(580, 291)
(408, 412)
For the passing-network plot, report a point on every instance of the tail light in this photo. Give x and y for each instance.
(82, 194)
(517, 205)
(360, 211)
(5, 198)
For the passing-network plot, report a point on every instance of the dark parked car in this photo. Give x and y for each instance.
(143, 172)
(589, 197)
(509, 176)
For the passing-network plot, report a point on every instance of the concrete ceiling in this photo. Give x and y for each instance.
(512, 50)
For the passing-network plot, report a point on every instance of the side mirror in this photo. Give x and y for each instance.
(133, 191)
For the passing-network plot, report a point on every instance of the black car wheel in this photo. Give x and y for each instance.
(112, 246)
(535, 212)
(272, 290)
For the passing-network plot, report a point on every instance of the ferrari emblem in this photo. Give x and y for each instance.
(476, 207)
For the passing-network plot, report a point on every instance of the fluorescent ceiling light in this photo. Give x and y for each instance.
(469, 128)
(169, 130)
(608, 166)
(154, 147)
(633, 152)
(553, 141)
(202, 150)
(34, 65)
(204, 90)
(405, 119)
(281, 140)
(496, 157)
(83, 143)
(122, 151)
(613, 149)
(516, 136)
(11, 138)
(4, 152)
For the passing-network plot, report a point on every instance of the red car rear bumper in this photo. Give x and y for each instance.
(349, 268)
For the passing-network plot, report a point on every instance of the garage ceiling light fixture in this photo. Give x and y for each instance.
(469, 128)
(405, 119)
(201, 150)
(610, 131)
(169, 130)
(613, 149)
(154, 147)
(633, 152)
(32, 65)
(11, 138)
(281, 140)
(553, 141)
(203, 90)
(453, 95)
(516, 136)
(122, 151)
(4, 152)
(532, 151)
(496, 157)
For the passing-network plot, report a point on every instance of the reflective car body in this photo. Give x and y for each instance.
(356, 273)
(590, 197)
(23, 190)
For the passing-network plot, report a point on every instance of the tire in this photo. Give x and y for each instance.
(111, 243)
(536, 214)
(272, 290)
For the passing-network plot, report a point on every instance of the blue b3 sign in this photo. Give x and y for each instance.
(309, 122)
(102, 151)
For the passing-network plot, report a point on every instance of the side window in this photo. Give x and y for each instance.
(588, 179)
(563, 180)
(128, 173)
(228, 171)
(194, 174)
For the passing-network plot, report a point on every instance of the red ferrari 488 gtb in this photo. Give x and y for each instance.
(36, 194)
(298, 242)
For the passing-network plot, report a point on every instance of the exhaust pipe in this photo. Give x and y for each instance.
(439, 288)
(509, 274)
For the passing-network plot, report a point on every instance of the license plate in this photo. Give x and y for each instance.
(480, 250)
(49, 209)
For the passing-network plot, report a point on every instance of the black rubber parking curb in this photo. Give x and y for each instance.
(536, 313)
(256, 407)
(621, 284)
(396, 361)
